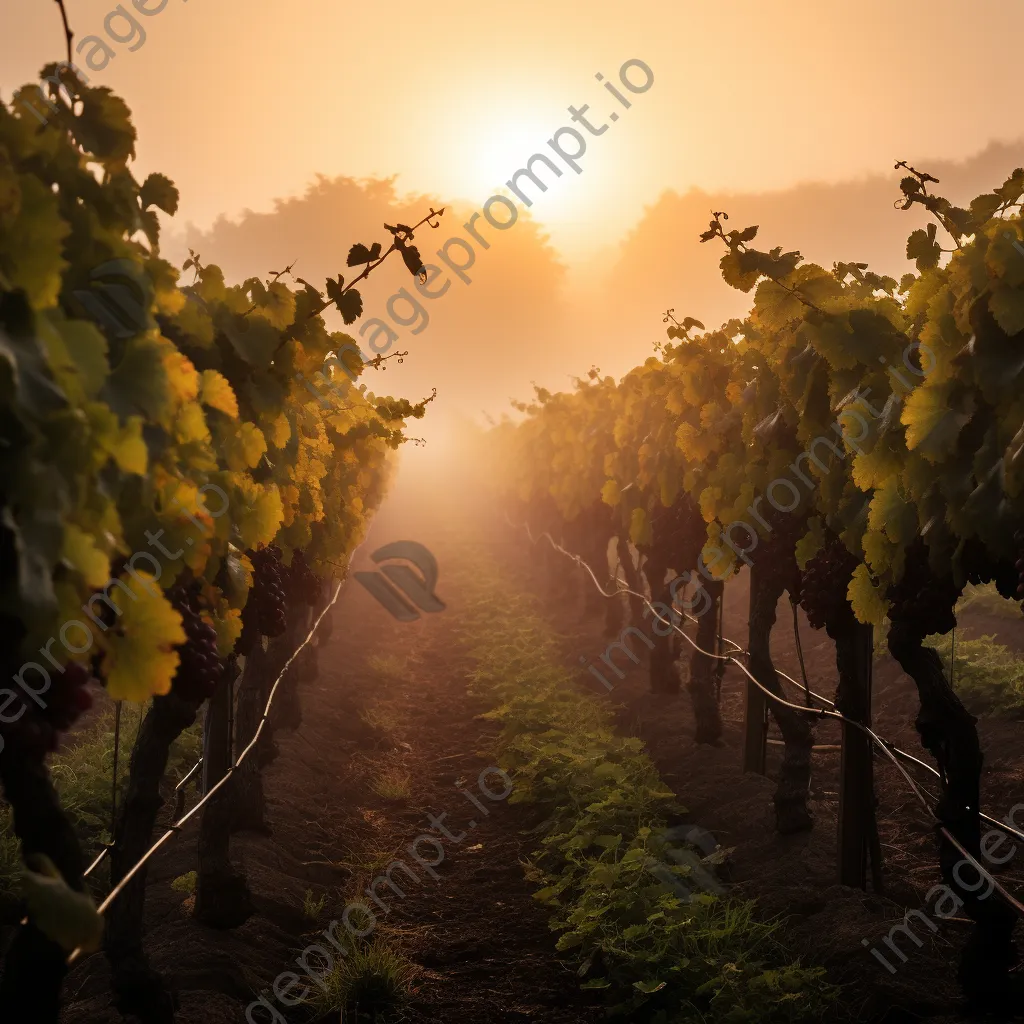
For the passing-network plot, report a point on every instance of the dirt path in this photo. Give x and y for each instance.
(388, 737)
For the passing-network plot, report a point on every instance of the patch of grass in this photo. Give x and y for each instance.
(185, 883)
(313, 907)
(382, 721)
(988, 600)
(82, 772)
(987, 676)
(392, 783)
(374, 976)
(662, 955)
(371, 861)
(391, 666)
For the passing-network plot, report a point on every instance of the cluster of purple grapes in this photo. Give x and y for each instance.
(923, 603)
(775, 555)
(201, 667)
(264, 612)
(303, 583)
(824, 583)
(36, 732)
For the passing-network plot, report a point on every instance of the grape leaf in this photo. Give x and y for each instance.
(359, 254)
(865, 600)
(140, 659)
(158, 190)
(67, 917)
(922, 247)
(1007, 306)
(217, 393)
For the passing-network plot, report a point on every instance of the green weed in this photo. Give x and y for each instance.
(185, 883)
(373, 976)
(382, 721)
(392, 784)
(313, 907)
(82, 772)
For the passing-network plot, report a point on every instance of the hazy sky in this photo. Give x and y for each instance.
(240, 101)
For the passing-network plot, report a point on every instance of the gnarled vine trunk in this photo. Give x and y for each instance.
(140, 990)
(222, 896)
(791, 812)
(246, 787)
(664, 676)
(949, 732)
(261, 670)
(34, 967)
(704, 676)
(633, 581)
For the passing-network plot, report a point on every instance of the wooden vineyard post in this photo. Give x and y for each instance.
(858, 831)
(755, 721)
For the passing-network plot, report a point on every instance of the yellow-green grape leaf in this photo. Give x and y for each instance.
(810, 543)
(63, 915)
(278, 305)
(878, 550)
(217, 393)
(867, 603)
(194, 321)
(228, 626)
(77, 353)
(874, 468)
(932, 424)
(260, 518)
(81, 552)
(718, 561)
(1007, 306)
(128, 449)
(31, 246)
(610, 493)
(244, 448)
(182, 376)
(141, 660)
(639, 527)
(279, 431)
(190, 424)
(891, 514)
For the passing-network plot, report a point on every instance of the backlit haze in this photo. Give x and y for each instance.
(294, 130)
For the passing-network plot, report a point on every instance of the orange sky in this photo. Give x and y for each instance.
(244, 102)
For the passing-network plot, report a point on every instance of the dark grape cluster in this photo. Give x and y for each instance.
(923, 603)
(201, 667)
(264, 612)
(775, 555)
(37, 731)
(303, 584)
(824, 584)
